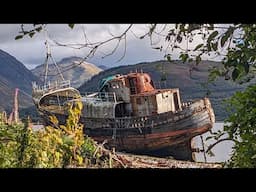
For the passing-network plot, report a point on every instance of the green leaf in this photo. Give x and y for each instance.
(38, 29)
(71, 25)
(215, 46)
(169, 58)
(223, 40)
(235, 74)
(209, 47)
(31, 34)
(179, 38)
(193, 27)
(184, 57)
(214, 73)
(212, 36)
(198, 46)
(18, 37)
(211, 154)
(198, 59)
(246, 68)
(226, 36)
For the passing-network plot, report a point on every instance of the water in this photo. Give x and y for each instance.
(221, 151)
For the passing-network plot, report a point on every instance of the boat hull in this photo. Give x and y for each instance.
(166, 134)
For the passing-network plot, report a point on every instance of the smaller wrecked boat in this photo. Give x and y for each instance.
(132, 115)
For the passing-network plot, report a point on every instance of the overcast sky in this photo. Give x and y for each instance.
(32, 51)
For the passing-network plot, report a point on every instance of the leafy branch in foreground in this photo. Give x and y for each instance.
(240, 128)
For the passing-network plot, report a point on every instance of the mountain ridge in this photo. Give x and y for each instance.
(190, 78)
(72, 69)
(14, 74)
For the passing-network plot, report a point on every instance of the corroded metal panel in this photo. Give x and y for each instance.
(94, 109)
(144, 105)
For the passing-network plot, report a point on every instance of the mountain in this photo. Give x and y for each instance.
(192, 85)
(14, 74)
(71, 70)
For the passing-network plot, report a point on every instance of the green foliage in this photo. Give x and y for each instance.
(66, 146)
(198, 47)
(36, 28)
(184, 57)
(71, 25)
(169, 58)
(235, 43)
(241, 127)
(8, 144)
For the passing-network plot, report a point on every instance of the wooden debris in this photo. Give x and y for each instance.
(140, 161)
(126, 160)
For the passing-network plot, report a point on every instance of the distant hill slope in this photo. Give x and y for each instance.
(77, 75)
(13, 74)
(178, 76)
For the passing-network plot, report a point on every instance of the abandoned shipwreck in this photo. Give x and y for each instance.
(131, 114)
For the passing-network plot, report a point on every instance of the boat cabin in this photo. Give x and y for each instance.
(132, 95)
(155, 102)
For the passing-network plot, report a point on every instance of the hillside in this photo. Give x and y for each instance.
(77, 75)
(178, 76)
(14, 74)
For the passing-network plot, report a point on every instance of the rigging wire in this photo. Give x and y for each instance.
(49, 55)
(69, 67)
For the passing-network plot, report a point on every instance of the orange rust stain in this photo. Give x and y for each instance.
(154, 140)
(141, 81)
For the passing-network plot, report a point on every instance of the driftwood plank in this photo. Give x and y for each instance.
(141, 161)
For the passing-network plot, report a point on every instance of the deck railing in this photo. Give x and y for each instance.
(50, 86)
(100, 96)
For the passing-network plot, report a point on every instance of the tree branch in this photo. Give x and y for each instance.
(221, 140)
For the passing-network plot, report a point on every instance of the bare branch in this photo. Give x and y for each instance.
(124, 49)
(113, 51)
(221, 140)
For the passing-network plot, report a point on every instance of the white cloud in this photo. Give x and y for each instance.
(32, 51)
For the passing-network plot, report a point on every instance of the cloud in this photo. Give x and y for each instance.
(32, 51)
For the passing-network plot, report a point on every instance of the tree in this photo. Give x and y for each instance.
(242, 127)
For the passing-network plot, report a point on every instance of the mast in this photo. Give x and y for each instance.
(49, 55)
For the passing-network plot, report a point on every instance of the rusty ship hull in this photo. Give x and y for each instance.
(130, 115)
(166, 134)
